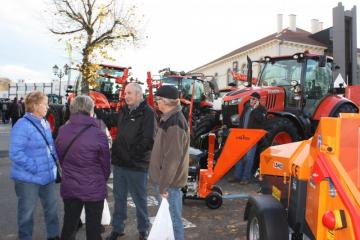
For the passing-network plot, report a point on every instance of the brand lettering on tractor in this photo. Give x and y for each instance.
(243, 137)
(278, 165)
(273, 91)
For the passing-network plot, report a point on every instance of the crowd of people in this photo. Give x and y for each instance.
(12, 110)
(144, 148)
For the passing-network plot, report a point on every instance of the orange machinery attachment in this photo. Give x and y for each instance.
(316, 182)
(237, 144)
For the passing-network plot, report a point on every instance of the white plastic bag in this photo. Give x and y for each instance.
(106, 217)
(162, 228)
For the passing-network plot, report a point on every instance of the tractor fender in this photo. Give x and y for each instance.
(330, 105)
(302, 124)
(271, 214)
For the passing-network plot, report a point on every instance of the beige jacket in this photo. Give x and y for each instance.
(169, 161)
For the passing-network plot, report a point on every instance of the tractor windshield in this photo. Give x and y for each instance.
(281, 72)
(185, 85)
(106, 83)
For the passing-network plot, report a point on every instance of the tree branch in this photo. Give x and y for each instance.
(67, 32)
(73, 15)
(108, 32)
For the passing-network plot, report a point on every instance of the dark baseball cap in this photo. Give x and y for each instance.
(255, 95)
(168, 91)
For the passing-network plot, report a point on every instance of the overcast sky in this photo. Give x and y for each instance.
(182, 34)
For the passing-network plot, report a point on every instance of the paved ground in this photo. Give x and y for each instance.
(200, 221)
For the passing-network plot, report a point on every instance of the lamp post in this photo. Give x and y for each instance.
(60, 73)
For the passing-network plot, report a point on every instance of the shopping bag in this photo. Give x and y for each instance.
(106, 217)
(162, 228)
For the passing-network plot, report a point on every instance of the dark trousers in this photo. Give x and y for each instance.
(93, 213)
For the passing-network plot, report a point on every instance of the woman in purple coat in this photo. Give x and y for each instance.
(84, 156)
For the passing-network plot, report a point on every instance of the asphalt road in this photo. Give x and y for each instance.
(200, 221)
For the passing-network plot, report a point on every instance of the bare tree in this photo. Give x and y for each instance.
(93, 27)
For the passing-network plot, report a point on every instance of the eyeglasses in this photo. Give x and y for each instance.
(157, 99)
(253, 99)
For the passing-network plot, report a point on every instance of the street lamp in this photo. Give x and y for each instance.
(60, 74)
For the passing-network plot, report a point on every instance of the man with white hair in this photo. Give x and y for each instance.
(130, 158)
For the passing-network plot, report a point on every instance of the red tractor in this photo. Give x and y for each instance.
(108, 96)
(297, 90)
(196, 93)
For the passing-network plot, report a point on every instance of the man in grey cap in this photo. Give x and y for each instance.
(169, 161)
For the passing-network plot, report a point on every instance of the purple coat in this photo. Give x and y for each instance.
(86, 167)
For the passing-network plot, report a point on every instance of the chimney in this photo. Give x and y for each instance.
(279, 23)
(314, 25)
(292, 22)
(320, 26)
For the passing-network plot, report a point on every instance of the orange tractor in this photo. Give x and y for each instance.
(108, 96)
(196, 93)
(312, 187)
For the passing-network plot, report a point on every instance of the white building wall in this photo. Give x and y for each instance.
(272, 48)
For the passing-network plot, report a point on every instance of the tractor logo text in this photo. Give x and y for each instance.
(278, 165)
(243, 138)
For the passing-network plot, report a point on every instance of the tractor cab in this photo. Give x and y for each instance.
(184, 83)
(109, 88)
(305, 78)
(109, 82)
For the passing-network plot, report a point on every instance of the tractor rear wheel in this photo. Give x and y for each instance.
(281, 131)
(345, 108)
(200, 129)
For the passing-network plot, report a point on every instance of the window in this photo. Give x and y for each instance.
(281, 73)
(229, 77)
(317, 80)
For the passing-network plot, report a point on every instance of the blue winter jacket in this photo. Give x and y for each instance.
(29, 153)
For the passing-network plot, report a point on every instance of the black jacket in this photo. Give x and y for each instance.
(257, 117)
(135, 138)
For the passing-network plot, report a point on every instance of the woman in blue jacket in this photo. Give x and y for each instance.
(33, 168)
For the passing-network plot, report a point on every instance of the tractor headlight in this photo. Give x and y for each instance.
(235, 101)
(235, 120)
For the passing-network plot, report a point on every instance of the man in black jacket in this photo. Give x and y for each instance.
(130, 158)
(254, 117)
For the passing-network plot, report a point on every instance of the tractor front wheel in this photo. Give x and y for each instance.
(200, 129)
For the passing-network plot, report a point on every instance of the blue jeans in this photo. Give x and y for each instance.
(175, 208)
(28, 194)
(244, 167)
(135, 182)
